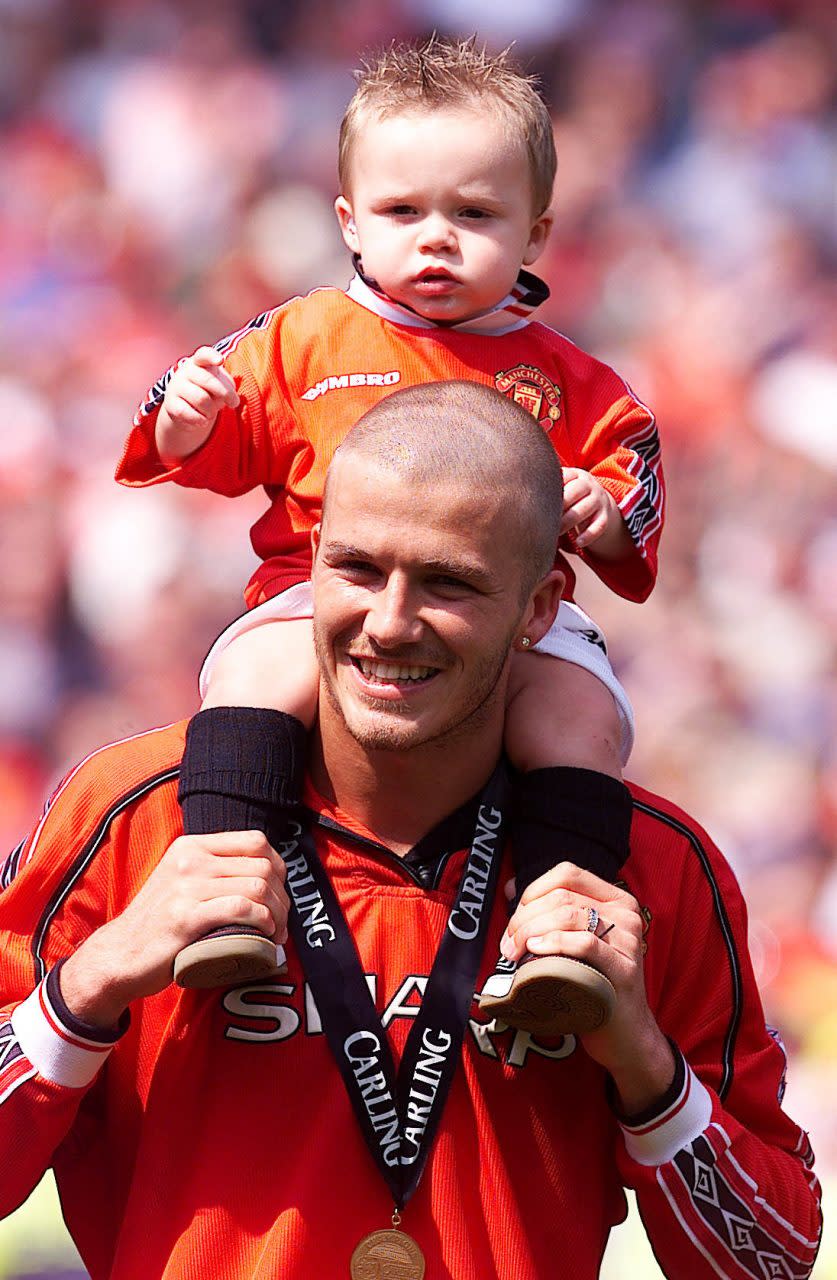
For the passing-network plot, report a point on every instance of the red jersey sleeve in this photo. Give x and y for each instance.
(249, 446)
(617, 442)
(723, 1176)
(48, 1060)
(60, 884)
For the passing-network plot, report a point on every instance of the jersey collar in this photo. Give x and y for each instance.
(513, 312)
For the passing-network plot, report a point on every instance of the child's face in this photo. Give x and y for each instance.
(439, 207)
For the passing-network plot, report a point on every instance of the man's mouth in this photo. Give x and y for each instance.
(378, 672)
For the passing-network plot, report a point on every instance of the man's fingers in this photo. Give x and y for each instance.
(545, 915)
(248, 843)
(250, 892)
(548, 916)
(215, 913)
(566, 875)
(605, 954)
(189, 853)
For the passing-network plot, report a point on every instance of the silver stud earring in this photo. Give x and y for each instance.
(525, 642)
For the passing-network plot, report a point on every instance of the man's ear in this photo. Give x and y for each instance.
(315, 540)
(346, 218)
(541, 609)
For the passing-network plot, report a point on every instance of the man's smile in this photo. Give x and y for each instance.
(379, 671)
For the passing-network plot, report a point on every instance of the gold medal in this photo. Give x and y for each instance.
(387, 1255)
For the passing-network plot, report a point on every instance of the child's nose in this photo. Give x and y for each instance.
(436, 233)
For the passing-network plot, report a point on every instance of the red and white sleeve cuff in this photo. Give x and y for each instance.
(60, 1047)
(682, 1115)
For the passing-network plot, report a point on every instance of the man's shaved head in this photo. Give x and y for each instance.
(466, 433)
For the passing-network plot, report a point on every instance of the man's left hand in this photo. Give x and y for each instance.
(552, 918)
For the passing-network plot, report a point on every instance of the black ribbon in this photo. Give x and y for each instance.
(398, 1113)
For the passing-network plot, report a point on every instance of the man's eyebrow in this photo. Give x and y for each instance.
(344, 550)
(452, 567)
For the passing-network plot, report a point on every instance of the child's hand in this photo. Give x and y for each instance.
(588, 507)
(199, 388)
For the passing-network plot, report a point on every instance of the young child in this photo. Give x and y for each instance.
(446, 166)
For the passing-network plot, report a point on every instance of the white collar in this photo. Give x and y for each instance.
(513, 312)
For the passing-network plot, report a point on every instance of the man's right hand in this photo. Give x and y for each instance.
(201, 883)
(199, 389)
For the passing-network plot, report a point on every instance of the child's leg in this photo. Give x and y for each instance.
(242, 770)
(563, 731)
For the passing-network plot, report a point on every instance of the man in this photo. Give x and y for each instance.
(262, 1130)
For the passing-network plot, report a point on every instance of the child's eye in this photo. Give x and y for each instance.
(474, 214)
(401, 210)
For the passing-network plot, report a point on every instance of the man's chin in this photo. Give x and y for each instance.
(384, 733)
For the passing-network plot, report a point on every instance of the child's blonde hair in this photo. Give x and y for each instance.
(451, 73)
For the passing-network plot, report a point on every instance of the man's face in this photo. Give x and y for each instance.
(440, 210)
(416, 604)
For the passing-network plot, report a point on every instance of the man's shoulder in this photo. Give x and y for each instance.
(671, 849)
(93, 801)
(121, 772)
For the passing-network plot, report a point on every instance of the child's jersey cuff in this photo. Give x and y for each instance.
(59, 1045)
(681, 1114)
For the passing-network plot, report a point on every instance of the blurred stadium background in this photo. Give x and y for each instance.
(167, 171)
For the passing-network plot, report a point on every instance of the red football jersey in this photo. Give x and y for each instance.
(308, 370)
(214, 1135)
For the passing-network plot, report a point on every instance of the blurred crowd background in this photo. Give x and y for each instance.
(167, 171)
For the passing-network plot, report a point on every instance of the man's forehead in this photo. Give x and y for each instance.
(398, 488)
(375, 512)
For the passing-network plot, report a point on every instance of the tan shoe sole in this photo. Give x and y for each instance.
(553, 996)
(226, 957)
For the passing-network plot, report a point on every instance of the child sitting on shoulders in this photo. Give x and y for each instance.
(446, 166)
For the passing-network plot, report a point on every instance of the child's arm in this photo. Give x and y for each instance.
(199, 389)
(222, 419)
(592, 516)
(613, 436)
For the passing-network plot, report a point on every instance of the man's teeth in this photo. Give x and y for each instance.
(392, 671)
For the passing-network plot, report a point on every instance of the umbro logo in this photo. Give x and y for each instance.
(343, 381)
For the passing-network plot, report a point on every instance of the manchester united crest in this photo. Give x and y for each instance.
(533, 391)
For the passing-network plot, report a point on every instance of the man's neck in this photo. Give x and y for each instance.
(399, 795)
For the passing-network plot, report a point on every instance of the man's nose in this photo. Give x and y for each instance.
(392, 618)
(436, 234)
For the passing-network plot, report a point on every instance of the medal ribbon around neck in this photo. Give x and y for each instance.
(399, 1113)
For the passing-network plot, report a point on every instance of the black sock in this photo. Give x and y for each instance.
(242, 770)
(569, 815)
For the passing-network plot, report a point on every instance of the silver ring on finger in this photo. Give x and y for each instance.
(592, 920)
